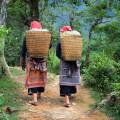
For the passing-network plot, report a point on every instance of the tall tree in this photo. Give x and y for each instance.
(3, 14)
(97, 12)
(36, 7)
(33, 4)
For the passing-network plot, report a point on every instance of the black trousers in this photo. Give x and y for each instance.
(67, 90)
(35, 90)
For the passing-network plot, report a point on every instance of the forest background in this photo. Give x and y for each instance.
(98, 21)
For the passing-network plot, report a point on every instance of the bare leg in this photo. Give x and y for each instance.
(34, 97)
(34, 102)
(39, 96)
(66, 101)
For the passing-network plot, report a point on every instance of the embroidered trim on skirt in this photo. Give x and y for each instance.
(35, 78)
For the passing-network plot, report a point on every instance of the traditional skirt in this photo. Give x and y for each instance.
(69, 73)
(36, 74)
(69, 78)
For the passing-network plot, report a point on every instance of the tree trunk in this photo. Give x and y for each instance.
(72, 17)
(95, 23)
(87, 61)
(2, 12)
(34, 11)
(4, 66)
(3, 63)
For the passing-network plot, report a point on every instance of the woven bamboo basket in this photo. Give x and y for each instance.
(38, 43)
(71, 47)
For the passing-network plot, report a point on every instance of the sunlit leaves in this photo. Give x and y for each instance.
(1, 101)
(3, 31)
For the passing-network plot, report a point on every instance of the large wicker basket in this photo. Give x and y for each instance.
(71, 47)
(38, 43)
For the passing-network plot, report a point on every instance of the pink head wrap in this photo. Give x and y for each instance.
(36, 24)
(65, 28)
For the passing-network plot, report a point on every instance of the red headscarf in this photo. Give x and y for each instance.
(35, 24)
(65, 28)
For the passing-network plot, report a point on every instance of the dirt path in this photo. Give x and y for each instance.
(51, 105)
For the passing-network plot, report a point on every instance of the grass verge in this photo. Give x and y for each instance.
(113, 112)
(16, 71)
(10, 96)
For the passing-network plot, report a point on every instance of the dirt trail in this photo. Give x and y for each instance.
(51, 105)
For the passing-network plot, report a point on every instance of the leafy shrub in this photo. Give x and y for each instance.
(116, 55)
(99, 74)
(9, 97)
(115, 110)
(116, 76)
(13, 45)
(53, 62)
(3, 32)
(1, 72)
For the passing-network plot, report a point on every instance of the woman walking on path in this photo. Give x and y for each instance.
(69, 73)
(36, 69)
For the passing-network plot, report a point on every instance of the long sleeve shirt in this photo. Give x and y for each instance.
(24, 49)
(58, 51)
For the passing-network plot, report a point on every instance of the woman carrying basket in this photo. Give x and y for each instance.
(69, 73)
(36, 69)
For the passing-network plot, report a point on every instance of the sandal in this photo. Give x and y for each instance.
(67, 105)
(33, 103)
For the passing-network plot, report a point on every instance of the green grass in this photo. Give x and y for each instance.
(9, 97)
(97, 96)
(109, 111)
(16, 71)
(53, 62)
(112, 111)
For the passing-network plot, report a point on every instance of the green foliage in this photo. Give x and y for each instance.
(113, 111)
(1, 102)
(117, 72)
(9, 97)
(13, 46)
(116, 55)
(15, 71)
(116, 86)
(97, 96)
(17, 12)
(1, 72)
(3, 32)
(103, 74)
(53, 62)
(99, 74)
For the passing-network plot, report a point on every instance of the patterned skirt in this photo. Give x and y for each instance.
(69, 73)
(35, 77)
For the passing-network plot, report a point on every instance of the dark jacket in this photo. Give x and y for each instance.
(58, 50)
(24, 49)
